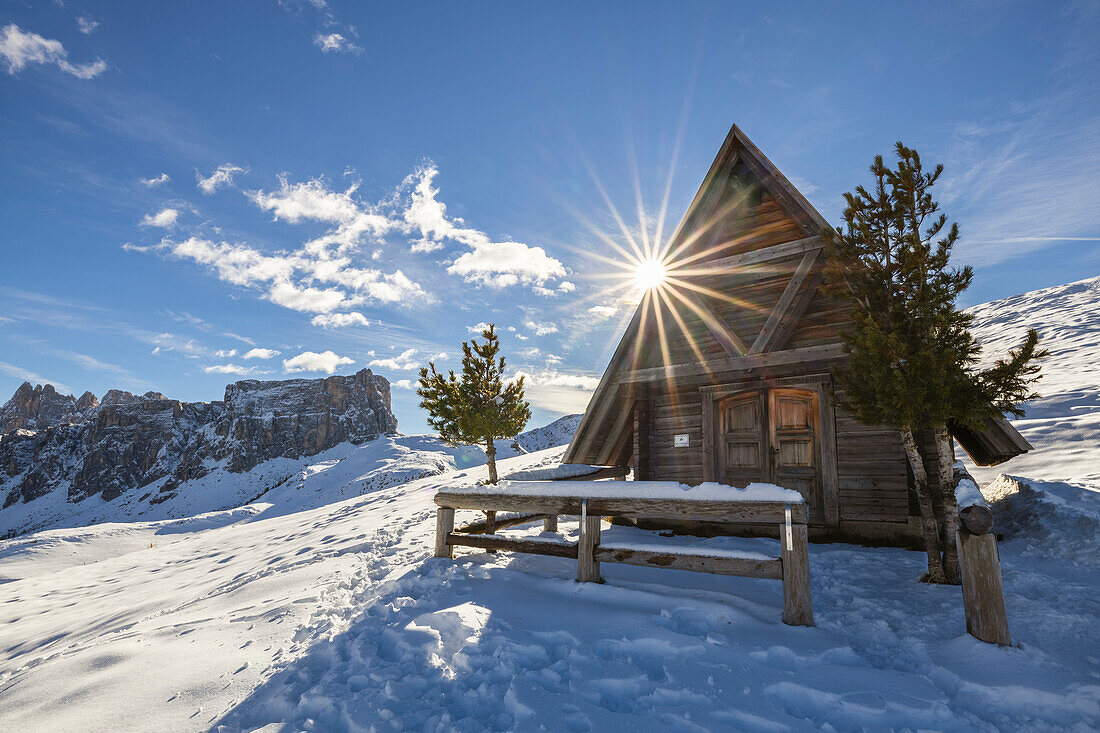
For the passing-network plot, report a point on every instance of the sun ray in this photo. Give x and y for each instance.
(662, 340)
(721, 214)
(606, 239)
(705, 317)
(614, 212)
(664, 294)
(643, 230)
(716, 294)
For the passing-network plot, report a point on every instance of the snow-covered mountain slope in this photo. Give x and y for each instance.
(1064, 424)
(288, 483)
(292, 613)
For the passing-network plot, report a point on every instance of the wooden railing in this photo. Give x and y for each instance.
(791, 566)
(979, 564)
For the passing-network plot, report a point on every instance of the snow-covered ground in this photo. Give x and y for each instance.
(319, 607)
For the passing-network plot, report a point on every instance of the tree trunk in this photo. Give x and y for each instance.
(491, 459)
(950, 506)
(929, 527)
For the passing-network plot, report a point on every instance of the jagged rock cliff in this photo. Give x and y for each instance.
(150, 444)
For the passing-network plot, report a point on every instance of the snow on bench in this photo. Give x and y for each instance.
(656, 490)
(564, 471)
(592, 500)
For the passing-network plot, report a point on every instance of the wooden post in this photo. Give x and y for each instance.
(797, 606)
(588, 568)
(983, 590)
(444, 525)
(550, 523)
(491, 526)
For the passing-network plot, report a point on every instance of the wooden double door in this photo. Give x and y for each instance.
(772, 436)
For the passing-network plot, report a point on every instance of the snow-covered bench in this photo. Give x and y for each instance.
(592, 500)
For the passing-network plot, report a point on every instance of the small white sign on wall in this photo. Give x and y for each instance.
(680, 441)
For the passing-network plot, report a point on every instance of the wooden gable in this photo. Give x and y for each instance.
(743, 293)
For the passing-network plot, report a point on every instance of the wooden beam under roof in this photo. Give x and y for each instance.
(784, 313)
(826, 352)
(752, 257)
(730, 342)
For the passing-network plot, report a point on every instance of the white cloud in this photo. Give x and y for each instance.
(405, 361)
(309, 200)
(225, 353)
(165, 218)
(478, 328)
(234, 263)
(86, 24)
(495, 264)
(223, 176)
(335, 42)
(285, 277)
(261, 354)
(427, 216)
(326, 274)
(542, 329)
(306, 299)
(803, 185)
(311, 361)
(503, 264)
(231, 369)
(403, 384)
(603, 311)
(553, 378)
(26, 375)
(20, 48)
(242, 339)
(558, 392)
(155, 180)
(340, 320)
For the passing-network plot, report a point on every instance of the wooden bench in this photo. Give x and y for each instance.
(534, 500)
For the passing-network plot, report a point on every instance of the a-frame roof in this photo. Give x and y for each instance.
(608, 408)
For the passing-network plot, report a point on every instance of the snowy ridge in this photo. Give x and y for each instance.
(1064, 424)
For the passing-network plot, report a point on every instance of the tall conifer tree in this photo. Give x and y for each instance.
(913, 358)
(477, 407)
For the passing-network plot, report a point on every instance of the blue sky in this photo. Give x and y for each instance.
(189, 188)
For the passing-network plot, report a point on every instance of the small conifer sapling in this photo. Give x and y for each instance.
(476, 407)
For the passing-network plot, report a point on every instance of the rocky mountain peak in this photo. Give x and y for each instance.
(129, 442)
(119, 397)
(86, 400)
(35, 408)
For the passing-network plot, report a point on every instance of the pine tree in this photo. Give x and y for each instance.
(912, 357)
(477, 407)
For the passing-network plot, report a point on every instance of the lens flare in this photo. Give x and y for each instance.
(649, 274)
